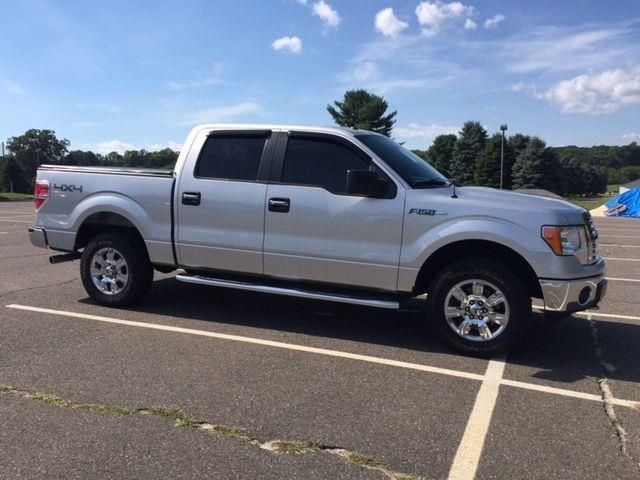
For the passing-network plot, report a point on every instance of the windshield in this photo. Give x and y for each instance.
(413, 169)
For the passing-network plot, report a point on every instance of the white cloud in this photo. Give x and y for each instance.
(221, 114)
(388, 24)
(327, 14)
(113, 146)
(11, 86)
(302, 2)
(420, 136)
(288, 44)
(470, 24)
(175, 146)
(555, 49)
(631, 136)
(214, 78)
(494, 21)
(600, 93)
(109, 146)
(431, 15)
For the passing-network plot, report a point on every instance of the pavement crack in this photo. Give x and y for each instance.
(181, 419)
(607, 394)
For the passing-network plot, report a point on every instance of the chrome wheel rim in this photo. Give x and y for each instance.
(109, 271)
(476, 310)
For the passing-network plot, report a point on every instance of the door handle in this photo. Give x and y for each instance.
(191, 198)
(279, 205)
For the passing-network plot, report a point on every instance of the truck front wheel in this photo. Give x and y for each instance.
(115, 269)
(479, 307)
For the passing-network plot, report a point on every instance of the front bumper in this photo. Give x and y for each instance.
(38, 237)
(573, 295)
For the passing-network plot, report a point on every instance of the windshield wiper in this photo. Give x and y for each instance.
(431, 182)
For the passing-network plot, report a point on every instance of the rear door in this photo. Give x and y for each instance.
(314, 231)
(221, 202)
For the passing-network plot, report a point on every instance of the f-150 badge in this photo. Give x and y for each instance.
(426, 211)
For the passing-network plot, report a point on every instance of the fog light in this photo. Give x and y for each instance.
(585, 293)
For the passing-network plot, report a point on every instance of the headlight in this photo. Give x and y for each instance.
(563, 240)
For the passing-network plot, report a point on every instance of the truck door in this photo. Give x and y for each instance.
(221, 202)
(315, 231)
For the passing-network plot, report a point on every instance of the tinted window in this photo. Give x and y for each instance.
(321, 163)
(233, 158)
(414, 170)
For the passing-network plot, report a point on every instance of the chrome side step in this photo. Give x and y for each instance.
(292, 292)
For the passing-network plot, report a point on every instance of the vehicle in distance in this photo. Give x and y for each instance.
(324, 213)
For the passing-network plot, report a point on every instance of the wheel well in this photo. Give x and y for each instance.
(104, 222)
(477, 248)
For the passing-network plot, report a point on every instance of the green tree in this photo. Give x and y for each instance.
(528, 167)
(440, 153)
(12, 176)
(35, 147)
(487, 172)
(82, 158)
(471, 141)
(363, 110)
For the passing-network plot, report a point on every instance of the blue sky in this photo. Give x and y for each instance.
(124, 74)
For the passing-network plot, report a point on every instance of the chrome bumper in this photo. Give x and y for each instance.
(38, 237)
(573, 295)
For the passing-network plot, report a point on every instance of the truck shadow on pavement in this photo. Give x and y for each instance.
(561, 351)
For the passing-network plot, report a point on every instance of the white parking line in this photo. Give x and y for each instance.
(622, 236)
(618, 230)
(623, 279)
(623, 259)
(618, 245)
(323, 351)
(467, 458)
(606, 315)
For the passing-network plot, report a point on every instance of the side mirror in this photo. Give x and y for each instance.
(366, 183)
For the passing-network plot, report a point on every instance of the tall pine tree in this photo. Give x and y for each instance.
(528, 170)
(487, 173)
(471, 141)
(440, 152)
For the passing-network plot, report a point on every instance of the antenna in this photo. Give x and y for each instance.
(453, 184)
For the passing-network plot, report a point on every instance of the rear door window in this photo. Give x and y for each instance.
(231, 158)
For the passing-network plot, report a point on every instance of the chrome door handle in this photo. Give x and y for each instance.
(281, 205)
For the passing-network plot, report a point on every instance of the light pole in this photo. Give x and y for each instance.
(503, 128)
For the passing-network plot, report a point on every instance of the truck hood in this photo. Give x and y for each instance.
(494, 201)
(523, 202)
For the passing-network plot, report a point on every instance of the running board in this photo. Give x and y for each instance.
(292, 292)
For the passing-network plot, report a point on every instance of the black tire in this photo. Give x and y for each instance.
(138, 269)
(513, 289)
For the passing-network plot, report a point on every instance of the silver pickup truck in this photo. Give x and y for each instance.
(324, 213)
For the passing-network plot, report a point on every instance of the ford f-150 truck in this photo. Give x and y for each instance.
(324, 213)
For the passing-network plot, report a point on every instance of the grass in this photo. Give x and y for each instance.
(15, 197)
(362, 460)
(293, 446)
(177, 414)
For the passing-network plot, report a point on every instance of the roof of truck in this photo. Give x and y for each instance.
(272, 126)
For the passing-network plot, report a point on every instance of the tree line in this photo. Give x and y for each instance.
(37, 147)
(472, 157)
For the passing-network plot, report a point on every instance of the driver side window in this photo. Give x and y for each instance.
(320, 162)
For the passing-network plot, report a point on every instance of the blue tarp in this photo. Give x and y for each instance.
(631, 200)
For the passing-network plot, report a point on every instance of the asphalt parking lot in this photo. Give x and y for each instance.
(203, 382)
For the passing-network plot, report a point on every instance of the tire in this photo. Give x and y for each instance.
(115, 269)
(464, 307)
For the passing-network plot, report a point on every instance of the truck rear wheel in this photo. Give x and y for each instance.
(479, 307)
(115, 269)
